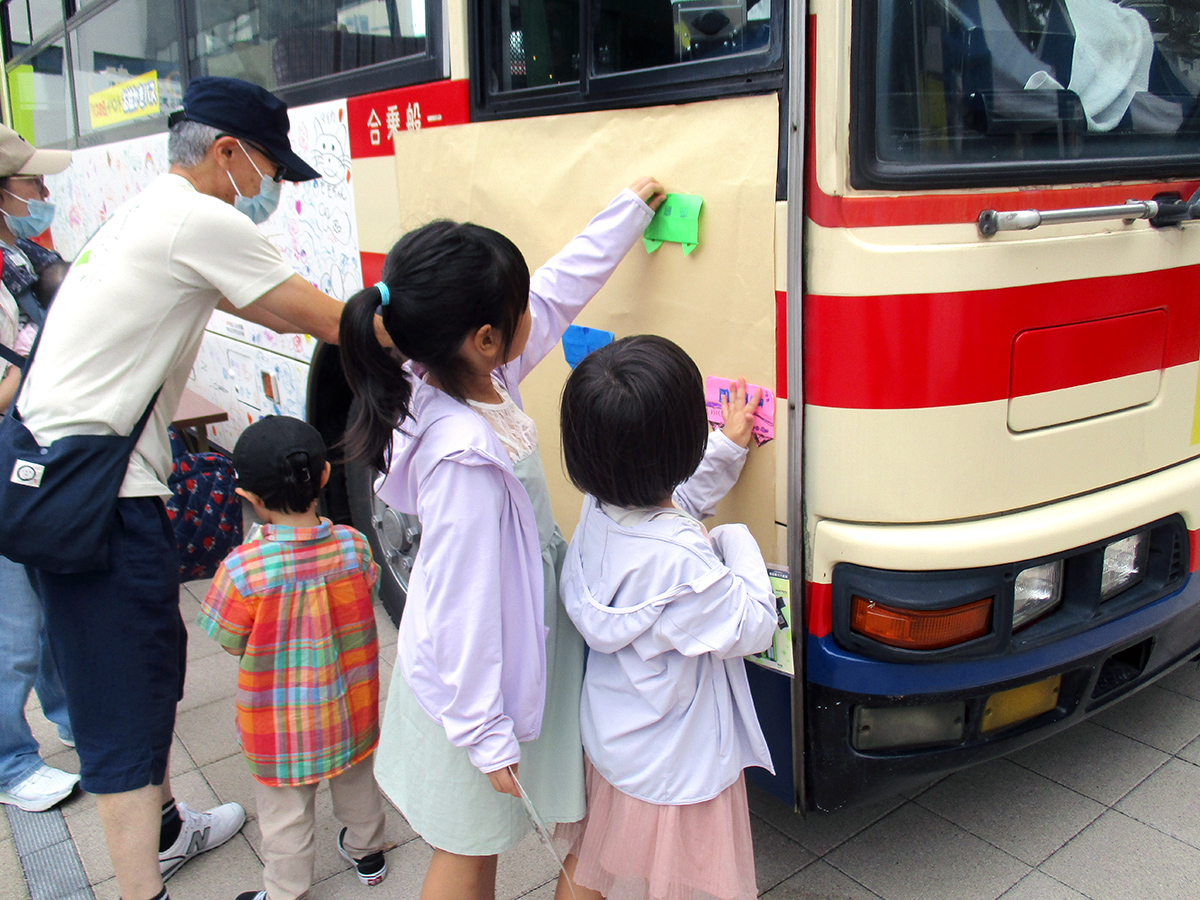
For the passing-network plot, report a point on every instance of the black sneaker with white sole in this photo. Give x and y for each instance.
(371, 869)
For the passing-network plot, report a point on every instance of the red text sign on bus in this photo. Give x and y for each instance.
(376, 119)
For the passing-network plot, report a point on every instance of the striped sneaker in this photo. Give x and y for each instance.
(371, 869)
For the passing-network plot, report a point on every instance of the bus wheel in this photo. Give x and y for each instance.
(394, 536)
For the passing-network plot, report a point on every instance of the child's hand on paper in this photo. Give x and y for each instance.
(738, 412)
(649, 191)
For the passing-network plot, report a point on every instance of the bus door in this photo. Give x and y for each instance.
(569, 103)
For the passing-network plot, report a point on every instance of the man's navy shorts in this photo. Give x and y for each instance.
(120, 644)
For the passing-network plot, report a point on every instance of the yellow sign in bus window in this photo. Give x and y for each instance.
(132, 99)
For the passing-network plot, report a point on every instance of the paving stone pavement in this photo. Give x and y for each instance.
(1107, 810)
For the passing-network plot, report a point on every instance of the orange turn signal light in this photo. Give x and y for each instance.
(920, 629)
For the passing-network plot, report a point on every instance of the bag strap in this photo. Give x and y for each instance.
(28, 304)
(141, 423)
(12, 357)
(15, 413)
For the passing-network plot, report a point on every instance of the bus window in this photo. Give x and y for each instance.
(126, 63)
(38, 90)
(283, 42)
(32, 19)
(973, 89)
(631, 34)
(536, 44)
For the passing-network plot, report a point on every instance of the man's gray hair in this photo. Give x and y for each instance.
(188, 142)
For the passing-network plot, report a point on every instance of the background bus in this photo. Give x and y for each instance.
(983, 484)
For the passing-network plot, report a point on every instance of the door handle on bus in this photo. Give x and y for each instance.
(1164, 209)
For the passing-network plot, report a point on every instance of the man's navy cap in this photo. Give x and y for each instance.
(245, 111)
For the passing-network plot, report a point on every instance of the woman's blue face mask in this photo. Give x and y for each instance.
(261, 205)
(38, 218)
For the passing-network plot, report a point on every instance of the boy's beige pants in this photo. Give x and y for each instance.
(287, 816)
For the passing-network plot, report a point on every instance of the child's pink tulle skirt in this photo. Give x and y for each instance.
(629, 849)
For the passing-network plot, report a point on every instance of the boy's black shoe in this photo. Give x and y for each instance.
(252, 895)
(371, 869)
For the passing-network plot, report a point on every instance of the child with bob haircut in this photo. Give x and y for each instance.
(489, 667)
(668, 611)
(296, 604)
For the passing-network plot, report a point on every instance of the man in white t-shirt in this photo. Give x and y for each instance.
(126, 323)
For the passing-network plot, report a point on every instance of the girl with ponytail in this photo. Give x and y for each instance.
(489, 667)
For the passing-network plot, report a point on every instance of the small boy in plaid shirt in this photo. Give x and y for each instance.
(295, 603)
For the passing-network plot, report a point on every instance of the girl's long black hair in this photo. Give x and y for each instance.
(446, 280)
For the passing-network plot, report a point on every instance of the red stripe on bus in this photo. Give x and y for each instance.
(1194, 560)
(944, 209)
(1049, 359)
(372, 266)
(375, 119)
(926, 350)
(820, 609)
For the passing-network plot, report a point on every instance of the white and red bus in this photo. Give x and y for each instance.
(952, 236)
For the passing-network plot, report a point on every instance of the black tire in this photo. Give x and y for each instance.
(349, 498)
(394, 536)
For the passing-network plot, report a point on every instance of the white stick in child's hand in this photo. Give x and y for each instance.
(542, 831)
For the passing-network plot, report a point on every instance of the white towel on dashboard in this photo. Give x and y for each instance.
(1111, 61)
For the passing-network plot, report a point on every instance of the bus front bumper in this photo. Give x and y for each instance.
(941, 717)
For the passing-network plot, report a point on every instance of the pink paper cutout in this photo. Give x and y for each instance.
(764, 417)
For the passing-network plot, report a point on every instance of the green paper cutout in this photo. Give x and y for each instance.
(677, 221)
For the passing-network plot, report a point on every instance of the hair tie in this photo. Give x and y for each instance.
(385, 295)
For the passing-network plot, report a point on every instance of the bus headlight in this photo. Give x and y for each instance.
(1124, 564)
(1037, 591)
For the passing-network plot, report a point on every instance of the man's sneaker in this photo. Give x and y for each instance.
(41, 789)
(371, 869)
(252, 895)
(200, 831)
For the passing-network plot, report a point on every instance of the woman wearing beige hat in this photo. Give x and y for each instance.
(25, 213)
(25, 663)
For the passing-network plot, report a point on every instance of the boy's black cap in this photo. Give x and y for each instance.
(245, 111)
(261, 453)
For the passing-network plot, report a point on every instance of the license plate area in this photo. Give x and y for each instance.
(1020, 704)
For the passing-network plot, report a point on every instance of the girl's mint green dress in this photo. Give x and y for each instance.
(445, 799)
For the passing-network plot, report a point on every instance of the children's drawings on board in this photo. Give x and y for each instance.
(314, 226)
(248, 383)
(98, 181)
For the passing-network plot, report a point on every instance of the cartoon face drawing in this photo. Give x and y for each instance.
(330, 157)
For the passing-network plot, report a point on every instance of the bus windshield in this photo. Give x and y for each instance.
(982, 87)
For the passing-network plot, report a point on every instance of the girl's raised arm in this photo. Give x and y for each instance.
(560, 289)
(717, 473)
